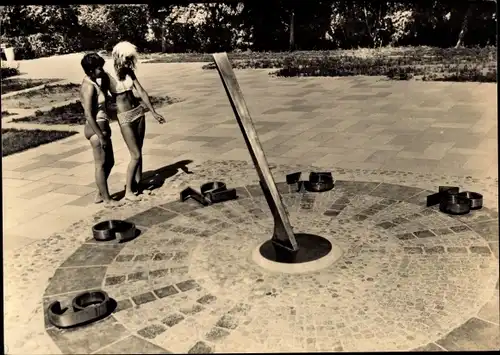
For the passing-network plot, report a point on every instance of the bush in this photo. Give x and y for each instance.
(183, 38)
(42, 45)
(21, 45)
(399, 73)
(8, 72)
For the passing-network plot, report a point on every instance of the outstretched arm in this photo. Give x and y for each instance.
(145, 98)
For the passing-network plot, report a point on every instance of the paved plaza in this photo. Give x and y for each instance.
(409, 277)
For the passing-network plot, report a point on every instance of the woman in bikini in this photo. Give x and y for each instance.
(130, 111)
(97, 129)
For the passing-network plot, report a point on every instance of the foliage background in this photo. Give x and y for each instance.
(43, 30)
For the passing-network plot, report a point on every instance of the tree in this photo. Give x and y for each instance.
(158, 14)
(358, 23)
(464, 27)
(401, 22)
(95, 26)
(22, 20)
(268, 29)
(472, 6)
(128, 23)
(15, 22)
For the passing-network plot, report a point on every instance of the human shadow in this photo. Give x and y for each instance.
(154, 179)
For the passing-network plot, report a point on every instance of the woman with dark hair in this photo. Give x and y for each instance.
(97, 130)
(130, 111)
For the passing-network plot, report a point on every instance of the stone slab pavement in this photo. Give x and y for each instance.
(353, 123)
(358, 122)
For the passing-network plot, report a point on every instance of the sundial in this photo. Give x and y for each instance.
(285, 246)
(201, 279)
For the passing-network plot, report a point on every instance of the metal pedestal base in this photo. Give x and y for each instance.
(312, 247)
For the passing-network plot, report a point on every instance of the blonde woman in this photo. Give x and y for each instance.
(130, 111)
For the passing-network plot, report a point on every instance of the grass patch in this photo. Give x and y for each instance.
(7, 113)
(426, 63)
(179, 58)
(393, 69)
(6, 72)
(19, 140)
(464, 75)
(43, 97)
(16, 84)
(72, 114)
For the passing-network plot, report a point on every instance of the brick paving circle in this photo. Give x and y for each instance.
(407, 276)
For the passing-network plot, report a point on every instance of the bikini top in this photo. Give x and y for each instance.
(101, 98)
(117, 86)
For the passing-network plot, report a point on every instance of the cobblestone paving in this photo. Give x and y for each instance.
(410, 277)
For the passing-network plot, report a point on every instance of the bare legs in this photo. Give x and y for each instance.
(134, 140)
(104, 162)
(140, 133)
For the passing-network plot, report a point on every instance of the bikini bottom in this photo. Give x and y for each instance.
(131, 115)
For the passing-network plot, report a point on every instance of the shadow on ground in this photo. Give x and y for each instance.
(154, 179)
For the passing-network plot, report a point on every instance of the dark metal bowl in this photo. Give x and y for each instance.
(316, 177)
(319, 182)
(476, 199)
(87, 299)
(109, 230)
(454, 204)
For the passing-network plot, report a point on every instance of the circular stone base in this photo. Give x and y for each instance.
(195, 263)
(315, 253)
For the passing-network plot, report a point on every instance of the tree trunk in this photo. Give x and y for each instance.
(163, 37)
(292, 31)
(465, 25)
(369, 28)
